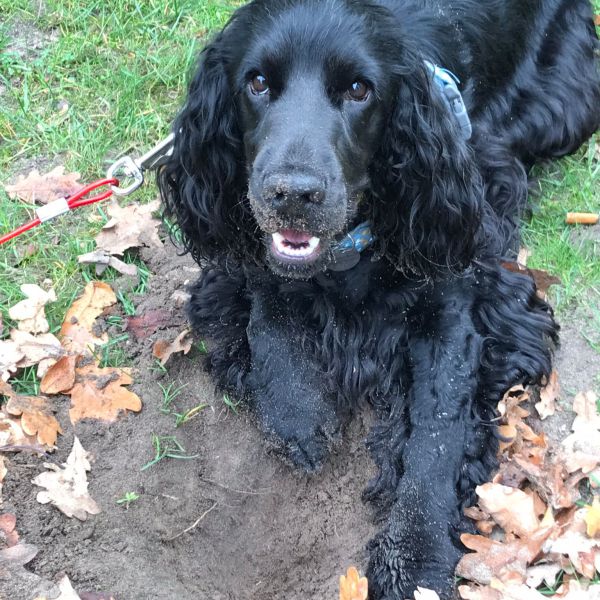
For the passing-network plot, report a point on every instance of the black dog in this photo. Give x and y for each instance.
(351, 228)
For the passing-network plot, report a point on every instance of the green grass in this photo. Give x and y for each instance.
(106, 79)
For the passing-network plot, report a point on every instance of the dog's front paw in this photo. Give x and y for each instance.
(399, 565)
(309, 451)
(302, 436)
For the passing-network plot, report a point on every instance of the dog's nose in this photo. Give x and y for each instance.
(294, 189)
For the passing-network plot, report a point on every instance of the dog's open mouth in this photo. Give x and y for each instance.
(297, 246)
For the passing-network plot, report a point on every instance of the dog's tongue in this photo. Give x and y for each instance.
(293, 236)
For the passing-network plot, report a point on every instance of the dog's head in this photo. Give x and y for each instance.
(306, 117)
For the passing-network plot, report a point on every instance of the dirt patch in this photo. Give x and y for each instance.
(26, 40)
(258, 528)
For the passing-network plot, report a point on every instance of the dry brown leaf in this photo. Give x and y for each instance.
(582, 551)
(102, 259)
(29, 313)
(543, 574)
(514, 429)
(8, 533)
(549, 479)
(42, 350)
(76, 333)
(10, 356)
(60, 377)
(67, 487)
(592, 518)
(36, 415)
(145, 325)
(585, 407)
(352, 586)
(163, 349)
(66, 590)
(581, 450)
(16, 556)
(98, 393)
(512, 509)
(493, 559)
(546, 407)
(13, 438)
(131, 226)
(44, 188)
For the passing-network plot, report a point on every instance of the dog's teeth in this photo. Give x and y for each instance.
(283, 246)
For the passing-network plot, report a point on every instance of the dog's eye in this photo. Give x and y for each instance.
(358, 91)
(259, 85)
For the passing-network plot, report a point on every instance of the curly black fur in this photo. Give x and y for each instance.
(428, 328)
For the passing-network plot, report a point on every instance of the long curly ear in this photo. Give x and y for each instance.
(203, 185)
(427, 192)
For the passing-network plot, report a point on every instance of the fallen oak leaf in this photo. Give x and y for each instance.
(131, 226)
(102, 259)
(584, 406)
(44, 188)
(66, 590)
(67, 487)
(581, 449)
(42, 350)
(29, 313)
(493, 559)
(10, 356)
(352, 586)
(98, 393)
(76, 332)
(546, 407)
(35, 413)
(17, 555)
(592, 517)
(8, 532)
(145, 325)
(163, 350)
(60, 377)
(511, 508)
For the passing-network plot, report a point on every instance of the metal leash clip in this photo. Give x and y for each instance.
(130, 168)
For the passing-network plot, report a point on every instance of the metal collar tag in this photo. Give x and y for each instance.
(448, 82)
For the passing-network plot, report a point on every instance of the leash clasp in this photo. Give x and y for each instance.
(129, 168)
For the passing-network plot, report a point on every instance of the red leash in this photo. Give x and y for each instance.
(63, 205)
(125, 167)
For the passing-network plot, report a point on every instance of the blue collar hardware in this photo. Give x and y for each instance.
(448, 82)
(346, 253)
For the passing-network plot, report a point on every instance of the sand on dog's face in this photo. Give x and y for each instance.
(273, 533)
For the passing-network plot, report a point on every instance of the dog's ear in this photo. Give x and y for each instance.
(426, 209)
(203, 185)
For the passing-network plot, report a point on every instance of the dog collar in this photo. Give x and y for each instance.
(448, 82)
(346, 253)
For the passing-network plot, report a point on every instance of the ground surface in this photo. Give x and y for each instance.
(271, 533)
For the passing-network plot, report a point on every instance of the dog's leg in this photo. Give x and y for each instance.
(416, 546)
(473, 340)
(285, 384)
(219, 308)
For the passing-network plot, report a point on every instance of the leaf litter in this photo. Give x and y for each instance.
(67, 486)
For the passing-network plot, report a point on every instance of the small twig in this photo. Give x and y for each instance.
(194, 524)
(24, 448)
(249, 492)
